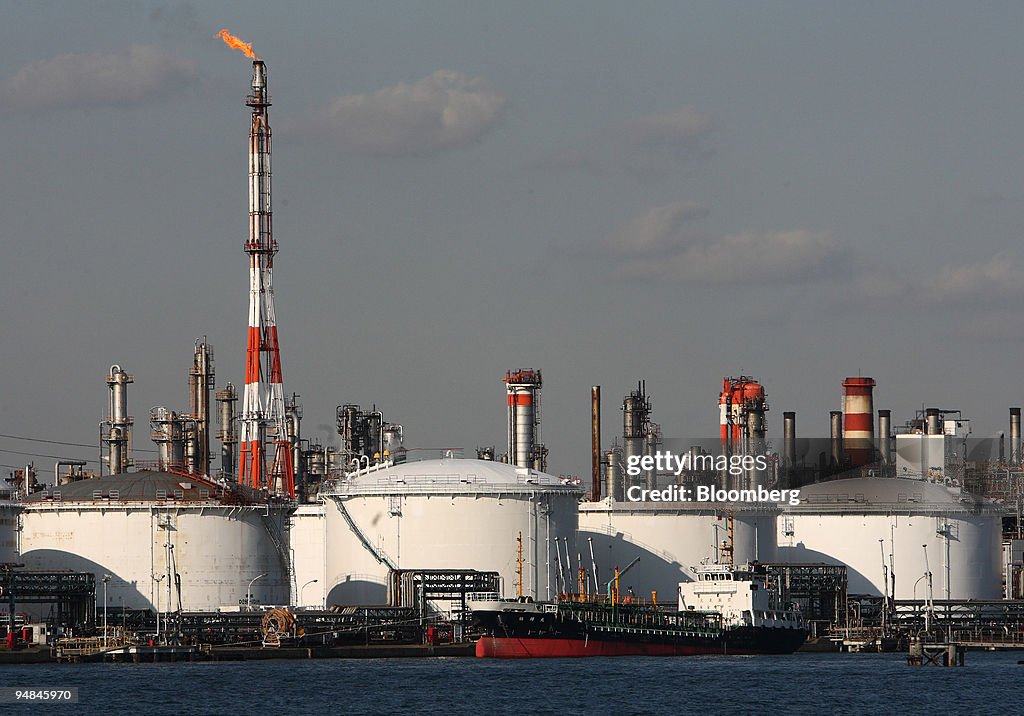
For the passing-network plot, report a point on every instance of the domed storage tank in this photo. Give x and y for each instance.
(671, 538)
(860, 522)
(445, 514)
(140, 527)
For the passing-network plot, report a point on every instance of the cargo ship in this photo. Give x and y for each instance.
(725, 610)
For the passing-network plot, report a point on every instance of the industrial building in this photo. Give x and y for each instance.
(672, 538)
(445, 514)
(891, 532)
(168, 542)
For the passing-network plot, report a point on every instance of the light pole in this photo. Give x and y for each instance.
(928, 573)
(923, 576)
(106, 578)
(885, 584)
(248, 592)
(157, 590)
(303, 588)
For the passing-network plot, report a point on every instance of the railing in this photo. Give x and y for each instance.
(377, 553)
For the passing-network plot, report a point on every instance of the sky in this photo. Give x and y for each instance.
(604, 191)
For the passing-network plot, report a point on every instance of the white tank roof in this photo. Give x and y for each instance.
(452, 475)
(887, 493)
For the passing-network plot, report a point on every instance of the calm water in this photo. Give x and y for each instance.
(799, 684)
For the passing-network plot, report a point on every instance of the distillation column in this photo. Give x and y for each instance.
(522, 388)
(200, 384)
(226, 433)
(118, 425)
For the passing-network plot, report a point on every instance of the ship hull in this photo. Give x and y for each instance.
(534, 648)
(526, 635)
(741, 641)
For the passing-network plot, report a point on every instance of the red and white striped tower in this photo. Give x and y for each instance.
(858, 420)
(263, 415)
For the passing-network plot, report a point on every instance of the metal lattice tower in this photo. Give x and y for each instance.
(262, 420)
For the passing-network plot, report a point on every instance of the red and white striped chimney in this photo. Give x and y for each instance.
(858, 420)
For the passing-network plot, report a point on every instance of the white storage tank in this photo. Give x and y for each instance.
(671, 538)
(149, 530)
(883, 526)
(308, 534)
(445, 514)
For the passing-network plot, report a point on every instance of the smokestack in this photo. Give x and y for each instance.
(789, 440)
(933, 426)
(523, 392)
(226, 400)
(595, 443)
(757, 433)
(858, 425)
(836, 434)
(263, 418)
(884, 437)
(1014, 436)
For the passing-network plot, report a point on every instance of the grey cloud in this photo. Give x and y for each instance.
(648, 147)
(681, 132)
(565, 159)
(444, 110)
(656, 232)
(661, 244)
(992, 281)
(176, 18)
(132, 76)
(986, 284)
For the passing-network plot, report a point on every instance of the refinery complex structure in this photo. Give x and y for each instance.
(282, 520)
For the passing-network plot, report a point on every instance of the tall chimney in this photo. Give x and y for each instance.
(933, 425)
(836, 435)
(595, 442)
(884, 437)
(789, 440)
(262, 422)
(858, 423)
(1014, 436)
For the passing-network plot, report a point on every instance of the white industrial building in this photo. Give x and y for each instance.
(878, 527)
(440, 514)
(671, 538)
(165, 540)
(309, 546)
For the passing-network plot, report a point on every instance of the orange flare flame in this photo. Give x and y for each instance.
(237, 44)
